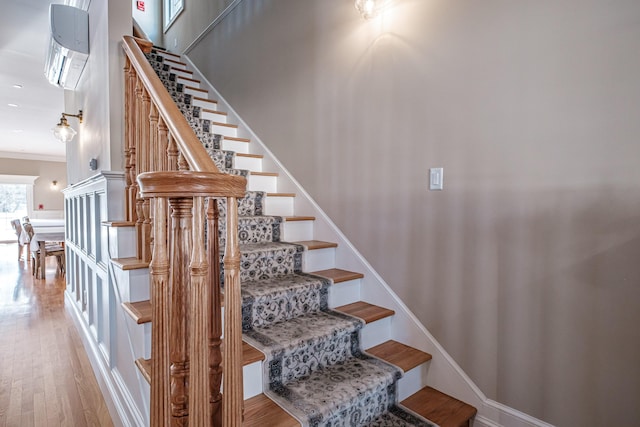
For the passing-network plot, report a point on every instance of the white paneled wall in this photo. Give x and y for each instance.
(94, 296)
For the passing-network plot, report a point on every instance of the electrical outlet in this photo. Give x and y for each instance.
(436, 176)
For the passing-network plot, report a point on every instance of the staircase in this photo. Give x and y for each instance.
(302, 318)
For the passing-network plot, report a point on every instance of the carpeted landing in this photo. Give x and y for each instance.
(315, 368)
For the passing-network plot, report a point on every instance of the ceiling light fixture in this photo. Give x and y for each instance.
(12, 105)
(63, 132)
(17, 86)
(367, 8)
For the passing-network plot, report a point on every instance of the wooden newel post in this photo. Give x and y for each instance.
(184, 338)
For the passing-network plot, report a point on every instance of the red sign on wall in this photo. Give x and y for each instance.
(140, 5)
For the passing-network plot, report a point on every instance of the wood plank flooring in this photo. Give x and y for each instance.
(45, 376)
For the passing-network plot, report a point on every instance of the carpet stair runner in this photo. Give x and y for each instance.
(314, 365)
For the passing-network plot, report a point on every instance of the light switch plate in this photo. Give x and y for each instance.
(436, 176)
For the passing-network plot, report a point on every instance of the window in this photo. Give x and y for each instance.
(171, 10)
(13, 205)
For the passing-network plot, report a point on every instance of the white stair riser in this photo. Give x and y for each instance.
(174, 64)
(223, 130)
(146, 353)
(237, 146)
(413, 381)
(268, 184)
(214, 117)
(187, 82)
(319, 259)
(122, 242)
(191, 91)
(204, 103)
(344, 293)
(293, 231)
(180, 73)
(134, 284)
(280, 206)
(252, 379)
(253, 164)
(376, 333)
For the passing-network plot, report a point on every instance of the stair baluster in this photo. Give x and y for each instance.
(169, 176)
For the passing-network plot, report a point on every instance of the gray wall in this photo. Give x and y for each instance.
(527, 266)
(47, 172)
(193, 20)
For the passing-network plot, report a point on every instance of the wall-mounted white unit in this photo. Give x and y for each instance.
(68, 45)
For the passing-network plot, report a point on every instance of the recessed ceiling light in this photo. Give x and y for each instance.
(17, 86)
(12, 105)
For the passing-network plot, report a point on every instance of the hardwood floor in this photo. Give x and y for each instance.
(45, 376)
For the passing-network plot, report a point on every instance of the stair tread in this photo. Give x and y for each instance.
(181, 70)
(175, 62)
(440, 408)
(235, 138)
(365, 311)
(339, 275)
(229, 125)
(261, 411)
(190, 79)
(263, 173)
(132, 263)
(166, 52)
(205, 99)
(316, 244)
(299, 218)
(401, 355)
(249, 355)
(196, 89)
(281, 194)
(140, 311)
(253, 156)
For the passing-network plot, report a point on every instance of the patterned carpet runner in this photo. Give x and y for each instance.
(315, 368)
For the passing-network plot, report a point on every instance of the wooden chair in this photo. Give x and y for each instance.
(51, 249)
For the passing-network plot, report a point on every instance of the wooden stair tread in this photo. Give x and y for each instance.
(316, 244)
(365, 311)
(281, 194)
(180, 70)
(249, 355)
(261, 411)
(229, 125)
(401, 355)
(129, 263)
(442, 409)
(196, 89)
(338, 275)
(205, 99)
(175, 62)
(299, 218)
(207, 110)
(140, 311)
(263, 173)
(189, 79)
(166, 52)
(235, 138)
(144, 366)
(253, 156)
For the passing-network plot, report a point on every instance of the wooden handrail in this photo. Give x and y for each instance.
(172, 192)
(186, 139)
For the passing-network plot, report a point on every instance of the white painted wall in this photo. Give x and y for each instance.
(525, 266)
(100, 93)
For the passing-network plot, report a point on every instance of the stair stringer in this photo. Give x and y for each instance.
(443, 371)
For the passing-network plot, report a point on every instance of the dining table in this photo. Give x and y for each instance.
(42, 234)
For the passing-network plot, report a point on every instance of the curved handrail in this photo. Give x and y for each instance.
(187, 141)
